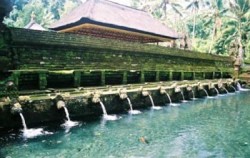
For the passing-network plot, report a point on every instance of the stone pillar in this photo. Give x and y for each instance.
(204, 75)
(170, 75)
(125, 77)
(157, 76)
(182, 75)
(213, 77)
(194, 78)
(142, 78)
(16, 75)
(103, 82)
(77, 78)
(42, 80)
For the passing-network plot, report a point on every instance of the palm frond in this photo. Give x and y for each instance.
(209, 21)
(176, 10)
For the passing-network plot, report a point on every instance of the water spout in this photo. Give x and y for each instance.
(233, 87)
(240, 88)
(23, 122)
(183, 98)
(31, 133)
(217, 91)
(169, 98)
(68, 123)
(193, 94)
(131, 111)
(225, 89)
(153, 104)
(103, 109)
(205, 91)
(67, 113)
(190, 88)
(105, 114)
(123, 94)
(16, 108)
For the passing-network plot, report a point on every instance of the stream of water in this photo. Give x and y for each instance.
(153, 104)
(203, 128)
(132, 111)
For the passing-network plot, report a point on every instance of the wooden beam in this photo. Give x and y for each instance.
(104, 29)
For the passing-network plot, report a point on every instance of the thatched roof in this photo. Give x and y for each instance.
(113, 15)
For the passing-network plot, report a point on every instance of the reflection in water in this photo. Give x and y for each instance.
(203, 128)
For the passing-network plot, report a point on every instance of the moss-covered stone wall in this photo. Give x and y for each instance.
(46, 59)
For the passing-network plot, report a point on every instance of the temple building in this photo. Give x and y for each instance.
(106, 19)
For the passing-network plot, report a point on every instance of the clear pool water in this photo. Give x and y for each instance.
(212, 127)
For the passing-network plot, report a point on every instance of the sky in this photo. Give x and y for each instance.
(124, 2)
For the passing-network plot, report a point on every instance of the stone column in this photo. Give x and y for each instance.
(16, 75)
(194, 78)
(213, 77)
(204, 75)
(42, 80)
(142, 78)
(125, 77)
(103, 82)
(170, 75)
(77, 78)
(182, 75)
(157, 76)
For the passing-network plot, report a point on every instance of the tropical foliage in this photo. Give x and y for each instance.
(46, 11)
(212, 26)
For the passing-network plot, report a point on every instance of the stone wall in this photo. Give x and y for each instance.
(43, 59)
(42, 64)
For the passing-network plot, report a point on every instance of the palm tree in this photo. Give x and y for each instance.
(157, 8)
(173, 4)
(216, 12)
(194, 6)
(237, 27)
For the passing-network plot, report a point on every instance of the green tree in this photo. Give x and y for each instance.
(214, 18)
(194, 6)
(236, 30)
(46, 11)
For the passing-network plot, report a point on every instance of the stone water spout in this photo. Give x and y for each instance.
(27, 133)
(201, 87)
(16, 108)
(146, 93)
(229, 83)
(212, 86)
(178, 90)
(221, 86)
(96, 97)
(190, 88)
(123, 94)
(164, 92)
(60, 104)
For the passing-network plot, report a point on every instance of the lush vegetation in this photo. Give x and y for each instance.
(46, 11)
(212, 26)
